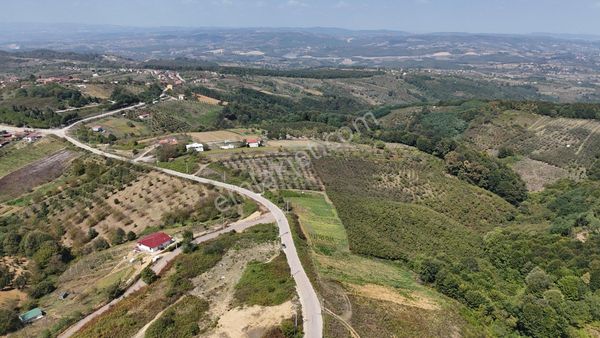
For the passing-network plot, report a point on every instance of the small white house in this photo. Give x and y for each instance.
(97, 129)
(253, 143)
(227, 146)
(199, 147)
(181, 97)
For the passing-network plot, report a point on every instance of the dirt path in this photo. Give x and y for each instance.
(351, 330)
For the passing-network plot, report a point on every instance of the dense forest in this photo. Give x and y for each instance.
(32, 106)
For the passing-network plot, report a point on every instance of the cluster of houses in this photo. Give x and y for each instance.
(8, 137)
(225, 145)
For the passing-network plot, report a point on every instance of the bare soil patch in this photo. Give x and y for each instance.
(537, 174)
(37, 173)
(385, 293)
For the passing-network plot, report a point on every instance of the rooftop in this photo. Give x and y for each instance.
(155, 239)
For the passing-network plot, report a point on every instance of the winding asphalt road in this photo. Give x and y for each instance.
(311, 307)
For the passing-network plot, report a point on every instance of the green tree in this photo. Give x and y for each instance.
(117, 236)
(595, 275)
(6, 276)
(9, 321)
(538, 281)
(148, 275)
(540, 320)
(131, 236)
(572, 287)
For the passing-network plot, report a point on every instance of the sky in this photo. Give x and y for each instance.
(419, 16)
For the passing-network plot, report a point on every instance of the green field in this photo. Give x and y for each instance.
(320, 220)
(186, 164)
(122, 127)
(21, 154)
(384, 285)
(265, 284)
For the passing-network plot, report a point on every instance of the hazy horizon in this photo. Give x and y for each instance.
(416, 16)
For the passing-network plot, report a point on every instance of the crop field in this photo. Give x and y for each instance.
(20, 154)
(180, 116)
(274, 171)
(134, 207)
(348, 281)
(562, 142)
(35, 174)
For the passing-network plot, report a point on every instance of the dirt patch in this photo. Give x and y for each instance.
(217, 136)
(218, 285)
(35, 174)
(253, 321)
(537, 174)
(384, 293)
(12, 298)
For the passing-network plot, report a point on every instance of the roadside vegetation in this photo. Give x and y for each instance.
(265, 284)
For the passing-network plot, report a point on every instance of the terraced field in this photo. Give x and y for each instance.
(274, 171)
(565, 143)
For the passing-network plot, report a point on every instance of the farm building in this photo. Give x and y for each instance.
(97, 129)
(195, 146)
(144, 116)
(228, 146)
(253, 143)
(155, 242)
(32, 137)
(31, 315)
(181, 97)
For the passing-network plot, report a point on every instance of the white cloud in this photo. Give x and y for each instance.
(296, 3)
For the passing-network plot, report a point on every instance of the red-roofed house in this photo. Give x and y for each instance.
(155, 242)
(253, 143)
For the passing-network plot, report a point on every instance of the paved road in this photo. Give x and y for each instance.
(311, 307)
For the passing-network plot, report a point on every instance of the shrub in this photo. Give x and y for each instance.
(148, 275)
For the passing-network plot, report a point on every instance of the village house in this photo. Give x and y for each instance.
(253, 143)
(199, 147)
(97, 129)
(154, 242)
(181, 97)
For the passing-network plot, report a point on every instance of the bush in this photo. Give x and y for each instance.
(148, 275)
(9, 321)
(41, 289)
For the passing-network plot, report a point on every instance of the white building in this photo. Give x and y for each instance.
(199, 147)
(155, 242)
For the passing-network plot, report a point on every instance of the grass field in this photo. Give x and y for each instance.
(362, 291)
(122, 127)
(21, 154)
(265, 284)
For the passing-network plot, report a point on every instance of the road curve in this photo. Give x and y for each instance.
(311, 307)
